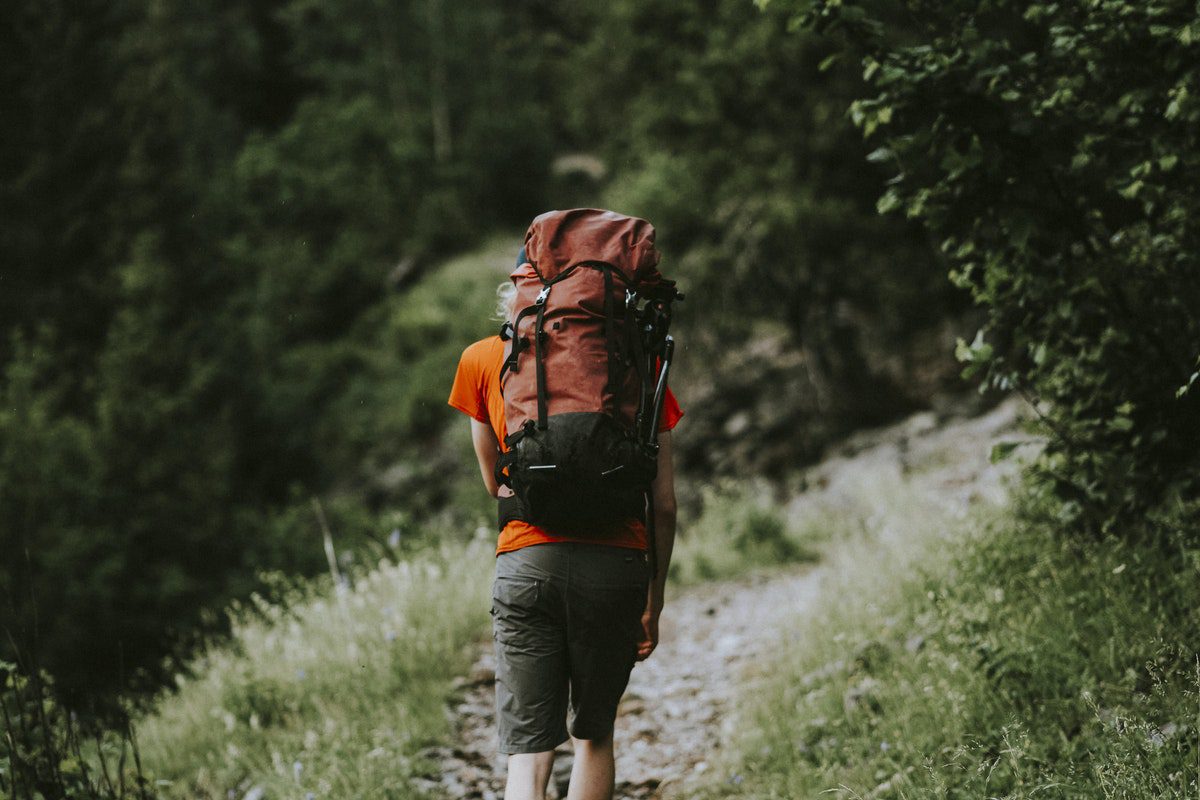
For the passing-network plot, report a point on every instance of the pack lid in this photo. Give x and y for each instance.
(558, 240)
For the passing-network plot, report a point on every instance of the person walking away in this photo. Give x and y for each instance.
(576, 600)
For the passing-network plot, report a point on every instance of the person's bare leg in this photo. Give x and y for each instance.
(594, 773)
(528, 775)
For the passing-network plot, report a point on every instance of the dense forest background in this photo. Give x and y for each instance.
(217, 219)
(223, 231)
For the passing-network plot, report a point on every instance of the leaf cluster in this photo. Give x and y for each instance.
(1051, 149)
(45, 753)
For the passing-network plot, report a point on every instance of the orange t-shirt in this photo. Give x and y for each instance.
(476, 393)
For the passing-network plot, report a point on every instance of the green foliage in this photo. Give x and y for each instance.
(1012, 664)
(734, 142)
(206, 207)
(332, 690)
(63, 149)
(44, 753)
(1052, 149)
(222, 288)
(738, 529)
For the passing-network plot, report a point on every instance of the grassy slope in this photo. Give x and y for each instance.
(984, 658)
(334, 696)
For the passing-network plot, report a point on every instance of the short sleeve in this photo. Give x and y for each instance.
(467, 394)
(671, 412)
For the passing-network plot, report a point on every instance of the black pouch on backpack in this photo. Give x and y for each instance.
(581, 475)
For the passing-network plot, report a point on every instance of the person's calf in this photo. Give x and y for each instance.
(593, 775)
(528, 775)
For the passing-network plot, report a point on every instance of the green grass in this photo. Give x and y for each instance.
(332, 692)
(984, 658)
(739, 529)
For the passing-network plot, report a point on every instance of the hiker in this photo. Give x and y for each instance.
(574, 604)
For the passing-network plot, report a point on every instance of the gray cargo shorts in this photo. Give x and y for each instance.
(566, 620)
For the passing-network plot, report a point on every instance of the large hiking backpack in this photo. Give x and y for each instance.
(582, 383)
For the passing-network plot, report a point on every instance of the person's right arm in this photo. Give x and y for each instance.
(487, 450)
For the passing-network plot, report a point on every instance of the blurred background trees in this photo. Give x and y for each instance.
(243, 244)
(205, 209)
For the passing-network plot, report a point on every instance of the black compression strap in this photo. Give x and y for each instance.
(638, 353)
(539, 345)
(519, 343)
(511, 440)
(503, 461)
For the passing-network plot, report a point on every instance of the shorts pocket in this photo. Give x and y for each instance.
(514, 599)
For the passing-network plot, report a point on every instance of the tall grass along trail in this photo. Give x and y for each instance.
(677, 714)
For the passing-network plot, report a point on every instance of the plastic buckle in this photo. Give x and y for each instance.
(542, 295)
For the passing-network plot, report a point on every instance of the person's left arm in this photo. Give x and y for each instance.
(663, 490)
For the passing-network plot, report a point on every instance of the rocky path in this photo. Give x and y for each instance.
(670, 720)
(676, 714)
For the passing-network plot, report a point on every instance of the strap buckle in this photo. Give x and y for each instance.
(542, 295)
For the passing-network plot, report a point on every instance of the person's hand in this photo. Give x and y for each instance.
(649, 638)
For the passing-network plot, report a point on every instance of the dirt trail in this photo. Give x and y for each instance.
(675, 716)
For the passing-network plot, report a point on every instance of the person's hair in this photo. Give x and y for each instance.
(506, 294)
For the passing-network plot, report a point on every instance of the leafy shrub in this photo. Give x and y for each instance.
(1052, 150)
(45, 753)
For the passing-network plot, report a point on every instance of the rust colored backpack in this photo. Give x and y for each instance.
(582, 381)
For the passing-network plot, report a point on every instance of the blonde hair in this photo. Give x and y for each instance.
(506, 295)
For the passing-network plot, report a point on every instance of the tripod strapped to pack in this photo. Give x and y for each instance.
(586, 373)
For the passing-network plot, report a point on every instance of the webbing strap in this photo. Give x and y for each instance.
(519, 343)
(539, 345)
(638, 353)
(503, 462)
